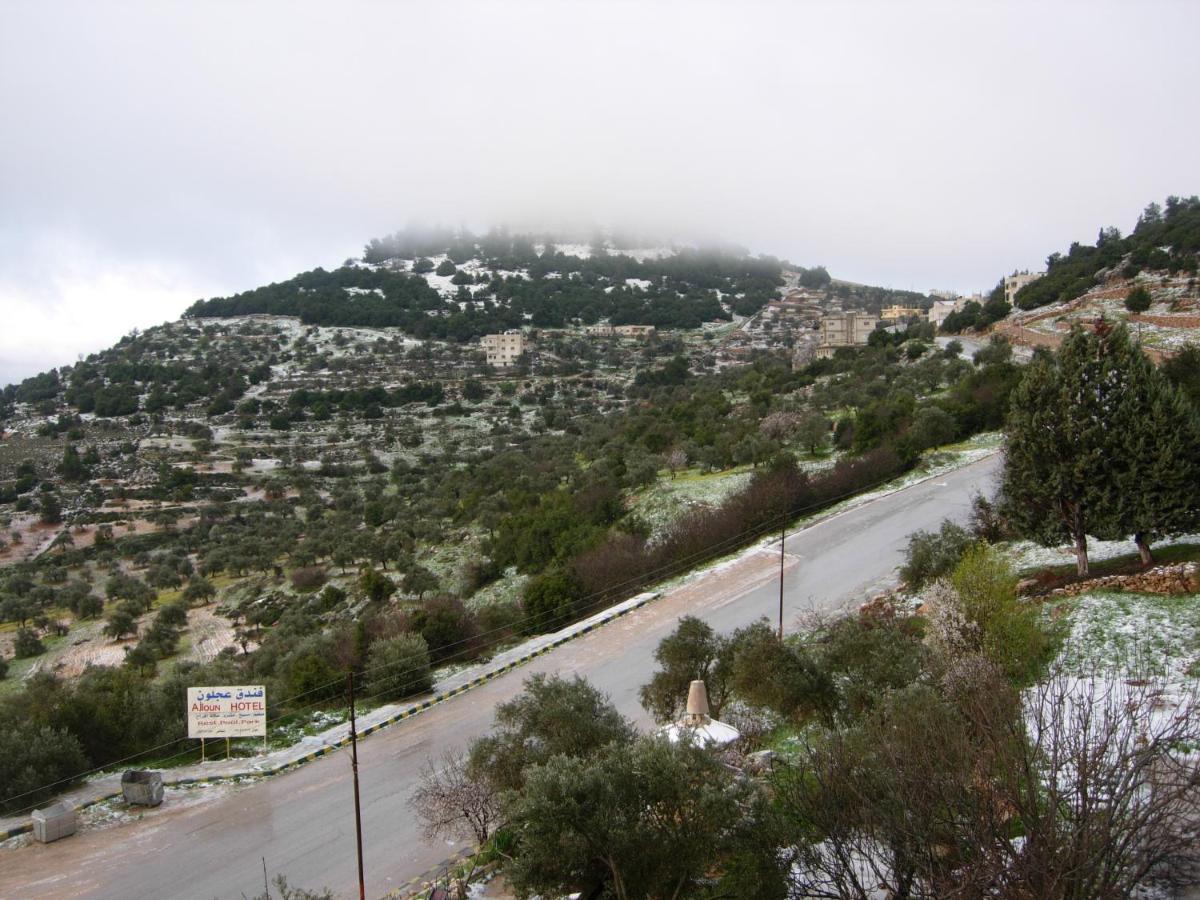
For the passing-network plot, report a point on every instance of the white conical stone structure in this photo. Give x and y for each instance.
(698, 724)
(697, 704)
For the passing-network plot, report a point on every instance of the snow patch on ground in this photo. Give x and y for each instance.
(1026, 555)
(1143, 633)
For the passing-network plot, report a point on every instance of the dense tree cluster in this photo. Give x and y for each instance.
(1163, 240)
(682, 290)
(977, 317)
(1100, 443)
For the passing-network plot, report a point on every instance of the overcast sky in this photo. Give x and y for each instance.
(152, 154)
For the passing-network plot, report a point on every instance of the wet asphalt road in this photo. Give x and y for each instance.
(303, 823)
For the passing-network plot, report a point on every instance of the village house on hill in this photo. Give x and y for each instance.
(504, 349)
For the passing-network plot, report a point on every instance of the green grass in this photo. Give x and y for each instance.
(17, 669)
(1143, 633)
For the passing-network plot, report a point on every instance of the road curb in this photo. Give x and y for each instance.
(415, 888)
(414, 710)
(418, 708)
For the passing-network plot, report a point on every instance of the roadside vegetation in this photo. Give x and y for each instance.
(288, 541)
(984, 731)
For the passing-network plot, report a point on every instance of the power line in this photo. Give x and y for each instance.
(601, 599)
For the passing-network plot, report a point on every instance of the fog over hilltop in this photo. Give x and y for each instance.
(155, 154)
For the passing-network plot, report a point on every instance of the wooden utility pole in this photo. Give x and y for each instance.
(362, 884)
(782, 536)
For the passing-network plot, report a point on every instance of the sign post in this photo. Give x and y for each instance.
(228, 712)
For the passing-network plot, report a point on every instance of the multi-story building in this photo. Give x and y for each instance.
(896, 313)
(850, 329)
(943, 308)
(504, 349)
(1016, 281)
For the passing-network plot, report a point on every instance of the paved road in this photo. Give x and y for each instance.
(302, 822)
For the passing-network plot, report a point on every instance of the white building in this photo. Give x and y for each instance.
(844, 330)
(504, 349)
(1016, 281)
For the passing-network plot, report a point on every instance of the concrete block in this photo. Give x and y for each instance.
(58, 820)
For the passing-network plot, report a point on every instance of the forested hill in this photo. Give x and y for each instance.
(1164, 239)
(458, 286)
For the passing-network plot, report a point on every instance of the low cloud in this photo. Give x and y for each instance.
(190, 150)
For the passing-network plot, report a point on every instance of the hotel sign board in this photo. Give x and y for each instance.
(227, 712)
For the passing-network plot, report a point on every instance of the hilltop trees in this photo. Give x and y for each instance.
(1099, 443)
(1070, 275)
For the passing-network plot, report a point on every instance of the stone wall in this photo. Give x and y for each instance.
(1183, 578)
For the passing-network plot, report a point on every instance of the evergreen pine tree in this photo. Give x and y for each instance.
(1101, 443)
(1056, 478)
(1156, 484)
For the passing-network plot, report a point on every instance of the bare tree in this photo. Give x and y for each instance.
(1108, 785)
(676, 460)
(1076, 788)
(454, 803)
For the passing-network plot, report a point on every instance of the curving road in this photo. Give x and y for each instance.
(302, 822)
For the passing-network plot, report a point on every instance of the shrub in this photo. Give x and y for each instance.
(377, 586)
(448, 628)
(932, 427)
(398, 667)
(931, 554)
(1010, 634)
(90, 606)
(309, 671)
(332, 596)
(199, 590)
(174, 614)
(478, 573)
(498, 620)
(3, 668)
(308, 578)
(781, 676)
(1138, 300)
(120, 622)
(988, 522)
(27, 644)
(549, 601)
(32, 756)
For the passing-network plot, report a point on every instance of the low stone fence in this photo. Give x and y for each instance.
(1168, 321)
(1183, 578)
(1019, 334)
